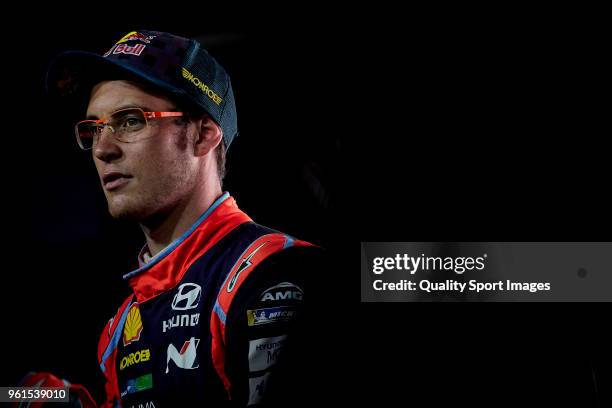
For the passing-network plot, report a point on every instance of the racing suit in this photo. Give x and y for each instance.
(211, 318)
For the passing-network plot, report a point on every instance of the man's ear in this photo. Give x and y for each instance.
(208, 137)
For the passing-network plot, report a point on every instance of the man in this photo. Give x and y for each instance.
(217, 300)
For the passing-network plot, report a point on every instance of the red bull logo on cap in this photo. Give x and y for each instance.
(121, 48)
(136, 36)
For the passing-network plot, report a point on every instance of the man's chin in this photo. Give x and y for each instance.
(140, 211)
(126, 212)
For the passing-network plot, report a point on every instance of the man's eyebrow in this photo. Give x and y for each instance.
(127, 106)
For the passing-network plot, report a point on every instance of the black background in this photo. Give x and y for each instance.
(420, 128)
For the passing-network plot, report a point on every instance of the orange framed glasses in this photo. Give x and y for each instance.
(126, 125)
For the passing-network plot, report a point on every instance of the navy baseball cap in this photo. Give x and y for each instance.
(178, 66)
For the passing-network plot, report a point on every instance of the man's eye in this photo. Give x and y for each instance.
(96, 129)
(132, 123)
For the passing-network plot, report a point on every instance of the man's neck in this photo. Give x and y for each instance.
(162, 232)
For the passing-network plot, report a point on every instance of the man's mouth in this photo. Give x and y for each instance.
(114, 180)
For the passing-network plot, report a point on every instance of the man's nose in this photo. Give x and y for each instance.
(107, 148)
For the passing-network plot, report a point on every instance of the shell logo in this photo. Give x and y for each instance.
(133, 325)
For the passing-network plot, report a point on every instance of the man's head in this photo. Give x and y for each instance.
(163, 163)
(157, 72)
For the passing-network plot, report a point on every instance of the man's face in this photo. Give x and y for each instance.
(148, 177)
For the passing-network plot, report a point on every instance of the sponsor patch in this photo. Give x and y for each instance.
(263, 353)
(136, 36)
(142, 383)
(270, 315)
(197, 82)
(181, 321)
(187, 296)
(133, 325)
(257, 388)
(136, 357)
(121, 47)
(185, 358)
(282, 291)
(246, 262)
(126, 49)
(130, 50)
